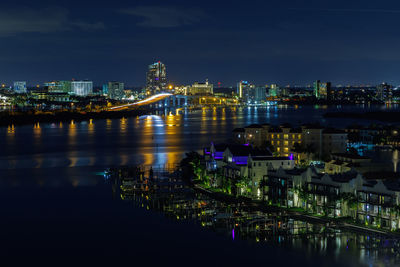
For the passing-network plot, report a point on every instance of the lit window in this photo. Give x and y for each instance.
(286, 136)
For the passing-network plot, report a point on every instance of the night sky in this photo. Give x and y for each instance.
(284, 42)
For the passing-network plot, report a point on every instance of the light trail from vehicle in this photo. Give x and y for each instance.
(149, 100)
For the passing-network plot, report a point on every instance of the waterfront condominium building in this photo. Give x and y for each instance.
(20, 87)
(115, 90)
(156, 78)
(316, 140)
(82, 88)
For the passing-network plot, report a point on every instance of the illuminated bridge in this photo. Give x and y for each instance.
(157, 101)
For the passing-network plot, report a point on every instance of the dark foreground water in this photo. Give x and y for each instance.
(55, 205)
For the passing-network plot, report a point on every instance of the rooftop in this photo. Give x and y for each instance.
(344, 177)
(238, 130)
(333, 131)
(312, 126)
(254, 126)
(262, 158)
(382, 175)
(243, 150)
(349, 156)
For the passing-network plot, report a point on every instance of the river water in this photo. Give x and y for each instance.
(55, 202)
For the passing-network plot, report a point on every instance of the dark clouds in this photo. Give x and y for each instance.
(41, 20)
(164, 16)
(284, 42)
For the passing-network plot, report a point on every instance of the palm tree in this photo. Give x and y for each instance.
(304, 195)
(242, 183)
(351, 200)
(263, 184)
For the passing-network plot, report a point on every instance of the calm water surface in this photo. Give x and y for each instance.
(55, 203)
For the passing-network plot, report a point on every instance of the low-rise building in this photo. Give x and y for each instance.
(371, 199)
(201, 89)
(20, 87)
(50, 96)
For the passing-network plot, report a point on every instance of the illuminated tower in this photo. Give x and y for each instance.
(156, 79)
(115, 90)
(317, 84)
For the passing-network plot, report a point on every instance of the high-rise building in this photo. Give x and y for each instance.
(105, 89)
(82, 88)
(259, 95)
(156, 80)
(316, 88)
(322, 90)
(20, 87)
(251, 94)
(242, 87)
(384, 92)
(115, 90)
(245, 91)
(274, 90)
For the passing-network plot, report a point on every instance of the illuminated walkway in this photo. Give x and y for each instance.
(150, 100)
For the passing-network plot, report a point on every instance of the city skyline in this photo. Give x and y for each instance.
(309, 84)
(290, 43)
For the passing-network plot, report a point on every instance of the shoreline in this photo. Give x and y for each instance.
(63, 116)
(383, 116)
(263, 207)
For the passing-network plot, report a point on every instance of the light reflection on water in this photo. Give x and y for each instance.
(237, 222)
(69, 153)
(153, 140)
